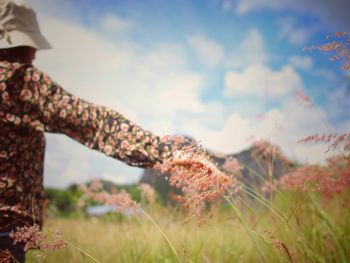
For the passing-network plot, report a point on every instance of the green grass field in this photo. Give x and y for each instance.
(294, 228)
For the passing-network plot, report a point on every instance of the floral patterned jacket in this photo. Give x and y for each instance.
(31, 104)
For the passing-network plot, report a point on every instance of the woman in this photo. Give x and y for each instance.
(32, 104)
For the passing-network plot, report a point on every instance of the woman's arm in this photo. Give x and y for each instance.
(46, 106)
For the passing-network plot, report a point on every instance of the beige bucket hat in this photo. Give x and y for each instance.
(19, 26)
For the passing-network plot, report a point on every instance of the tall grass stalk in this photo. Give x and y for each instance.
(162, 233)
(242, 221)
(81, 251)
(331, 227)
(265, 202)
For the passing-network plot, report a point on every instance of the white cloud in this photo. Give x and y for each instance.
(115, 24)
(250, 51)
(245, 6)
(295, 34)
(302, 62)
(122, 75)
(259, 80)
(297, 122)
(284, 126)
(232, 138)
(208, 50)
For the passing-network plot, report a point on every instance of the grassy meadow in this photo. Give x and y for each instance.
(294, 227)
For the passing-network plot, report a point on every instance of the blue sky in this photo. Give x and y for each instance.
(209, 69)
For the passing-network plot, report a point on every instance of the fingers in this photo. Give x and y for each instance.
(190, 162)
(196, 161)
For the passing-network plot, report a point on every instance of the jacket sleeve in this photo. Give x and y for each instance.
(48, 107)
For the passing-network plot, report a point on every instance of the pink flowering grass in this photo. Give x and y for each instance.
(332, 140)
(121, 200)
(303, 99)
(33, 238)
(267, 155)
(296, 230)
(232, 166)
(148, 193)
(279, 245)
(193, 173)
(338, 46)
(330, 180)
(267, 150)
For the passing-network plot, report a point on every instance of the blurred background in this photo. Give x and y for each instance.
(220, 71)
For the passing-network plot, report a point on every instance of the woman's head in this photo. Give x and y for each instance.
(20, 35)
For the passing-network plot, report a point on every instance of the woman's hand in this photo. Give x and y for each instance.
(188, 160)
(199, 179)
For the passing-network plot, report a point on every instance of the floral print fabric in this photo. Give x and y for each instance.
(31, 104)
